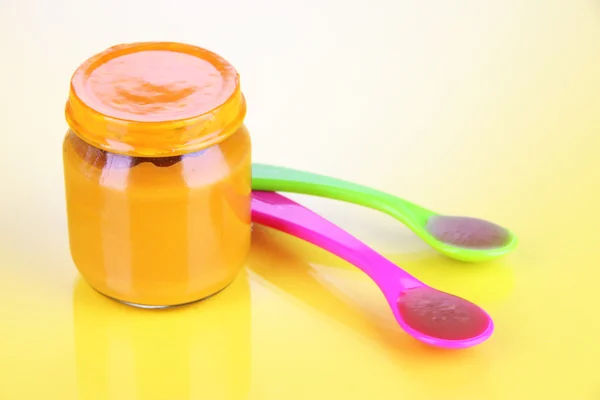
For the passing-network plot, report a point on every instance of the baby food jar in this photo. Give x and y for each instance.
(157, 167)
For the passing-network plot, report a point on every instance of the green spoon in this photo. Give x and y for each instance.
(461, 238)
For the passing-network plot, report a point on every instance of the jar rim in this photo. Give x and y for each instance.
(152, 135)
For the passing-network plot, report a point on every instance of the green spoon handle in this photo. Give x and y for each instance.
(280, 179)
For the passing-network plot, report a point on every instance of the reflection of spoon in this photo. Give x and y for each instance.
(431, 316)
(345, 298)
(461, 238)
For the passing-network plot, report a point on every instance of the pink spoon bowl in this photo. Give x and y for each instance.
(429, 315)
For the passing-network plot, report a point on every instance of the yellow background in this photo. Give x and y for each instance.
(481, 108)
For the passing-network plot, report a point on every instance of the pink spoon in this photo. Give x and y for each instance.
(429, 315)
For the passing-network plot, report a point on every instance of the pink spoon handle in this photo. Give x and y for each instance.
(276, 211)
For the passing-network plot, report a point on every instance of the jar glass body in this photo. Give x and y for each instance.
(159, 231)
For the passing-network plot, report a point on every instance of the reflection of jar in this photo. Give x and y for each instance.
(157, 173)
(182, 353)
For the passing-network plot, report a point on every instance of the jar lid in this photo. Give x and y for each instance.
(155, 99)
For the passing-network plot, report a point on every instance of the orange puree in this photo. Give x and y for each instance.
(157, 170)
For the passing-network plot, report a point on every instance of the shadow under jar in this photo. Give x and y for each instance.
(157, 165)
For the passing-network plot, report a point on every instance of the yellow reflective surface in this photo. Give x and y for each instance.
(488, 109)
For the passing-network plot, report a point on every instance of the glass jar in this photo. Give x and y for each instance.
(157, 165)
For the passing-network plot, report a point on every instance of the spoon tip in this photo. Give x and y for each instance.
(442, 319)
(469, 239)
(468, 232)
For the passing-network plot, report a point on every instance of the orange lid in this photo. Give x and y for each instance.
(155, 99)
